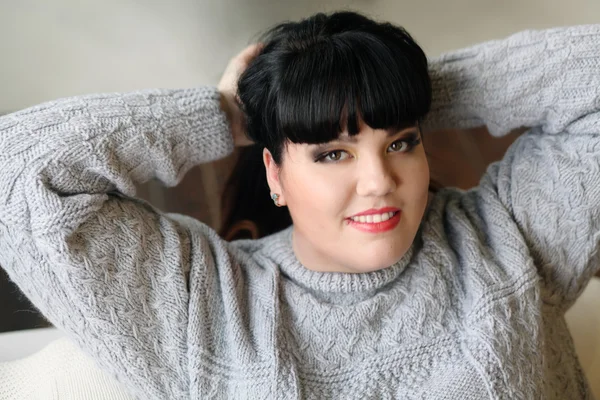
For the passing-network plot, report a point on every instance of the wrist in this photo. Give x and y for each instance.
(225, 105)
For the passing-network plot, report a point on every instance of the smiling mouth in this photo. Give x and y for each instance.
(375, 223)
(374, 218)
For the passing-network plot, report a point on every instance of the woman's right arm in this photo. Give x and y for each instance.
(107, 268)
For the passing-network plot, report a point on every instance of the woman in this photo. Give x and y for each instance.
(378, 290)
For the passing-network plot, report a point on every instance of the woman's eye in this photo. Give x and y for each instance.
(399, 146)
(334, 156)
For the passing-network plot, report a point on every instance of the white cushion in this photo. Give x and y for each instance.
(60, 371)
(19, 344)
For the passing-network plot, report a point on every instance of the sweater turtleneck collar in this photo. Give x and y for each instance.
(282, 252)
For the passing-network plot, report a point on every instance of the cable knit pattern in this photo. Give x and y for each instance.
(474, 310)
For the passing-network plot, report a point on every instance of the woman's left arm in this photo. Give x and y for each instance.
(549, 180)
(548, 79)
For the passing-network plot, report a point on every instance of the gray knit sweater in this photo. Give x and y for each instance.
(474, 310)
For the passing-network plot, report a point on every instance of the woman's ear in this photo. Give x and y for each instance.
(273, 178)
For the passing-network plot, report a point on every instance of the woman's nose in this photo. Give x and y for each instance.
(376, 178)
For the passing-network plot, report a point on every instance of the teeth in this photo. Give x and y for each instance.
(373, 218)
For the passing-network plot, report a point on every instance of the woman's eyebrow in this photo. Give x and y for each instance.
(402, 131)
(390, 133)
(347, 138)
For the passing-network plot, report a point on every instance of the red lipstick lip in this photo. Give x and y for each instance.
(373, 211)
(377, 227)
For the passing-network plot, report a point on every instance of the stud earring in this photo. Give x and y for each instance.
(275, 198)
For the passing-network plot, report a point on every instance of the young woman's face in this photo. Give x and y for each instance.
(383, 175)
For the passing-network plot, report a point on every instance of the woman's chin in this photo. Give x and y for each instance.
(377, 264)
(379, 256)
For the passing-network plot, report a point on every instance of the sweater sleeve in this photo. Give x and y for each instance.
(549, 180)
(107, 268)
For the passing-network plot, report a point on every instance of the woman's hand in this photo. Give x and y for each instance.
(228, 89)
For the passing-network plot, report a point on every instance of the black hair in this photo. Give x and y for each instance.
(312, 81)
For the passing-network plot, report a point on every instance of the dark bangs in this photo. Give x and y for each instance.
(355, 76)
(319, 77)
